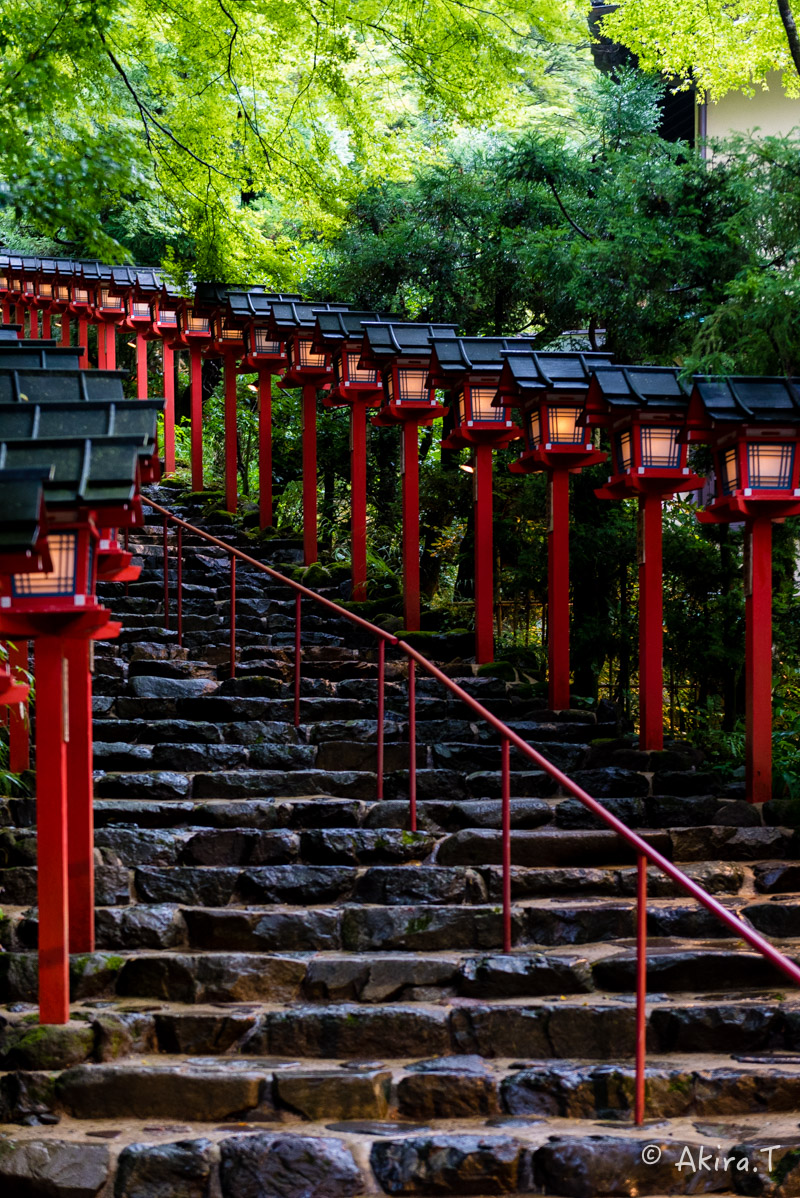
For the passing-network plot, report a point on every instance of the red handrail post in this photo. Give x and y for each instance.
(19, 751)
(651, 618)
(310, 550)
(166, 574)
(233, 616)
(412, 743)
(505, 750)
(558, 592)
(297, 603)
(51, 823)
(758, 659)
(179, 587)
(381, 711)
(196, 368)
(641, 986)
(265, 448)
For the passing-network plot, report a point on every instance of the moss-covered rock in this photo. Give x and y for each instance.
(52, 1046)
(316, 575)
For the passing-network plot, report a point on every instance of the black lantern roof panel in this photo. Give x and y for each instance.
(286, 317)
(21, 505)
(66, 268)
(257, 305)
(38, 354)
(123, 277)
(91, 471)
(650, 387)
(385, 340)
(457, 356)
(741, 398)
(31, 266)
(334, 327)
(42, 386)
(131, 418)
(48, 267)
(553, 371)
(210, 297)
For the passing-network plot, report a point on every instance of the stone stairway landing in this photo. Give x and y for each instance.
(295, 996)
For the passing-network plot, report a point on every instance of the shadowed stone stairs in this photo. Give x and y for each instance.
(294, 996)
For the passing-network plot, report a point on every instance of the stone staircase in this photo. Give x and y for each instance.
(293, 996)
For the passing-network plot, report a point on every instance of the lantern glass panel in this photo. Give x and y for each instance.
(197, 324)
(60, 580)
(29, 288)
(140, 310)
(81, 295)
(228, 334)
(264, 344)
(533, 428)
(107, 300)
(769, 465)
(355, 375)
(660, 446)
(563, 426)
(46, 290)
(481, 399)
(461, 406)
(411, 384)
(306, 358)
(168, 316)
(62, 292)
(729, 471)
(624, 451)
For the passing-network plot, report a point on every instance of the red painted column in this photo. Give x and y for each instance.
(141, 366)
(265, 448)
(111, 346)
(558, 591)
(83, 339)
(484, 555)
(758, 659)
(310, 552)
(169, 402)
(19, 318)
(19, 753)
(651, 620)
(51, 822)
(80, 799)
(231, 434)
(33, 323)
(410, 469)
(66, 331)
(5, 309)
(47, 327)
(196, 368)
(101, 345)
(358, 500)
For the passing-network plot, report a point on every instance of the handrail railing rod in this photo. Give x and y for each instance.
(742, 930)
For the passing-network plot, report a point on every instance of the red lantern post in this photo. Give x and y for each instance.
(550, 388)
(193, 333)
(645, 409)
(468, 369)
(340, 334)
(295, 323)
(402, 353)
(753, 425)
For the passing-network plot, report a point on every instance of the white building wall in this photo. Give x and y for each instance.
(771, 112)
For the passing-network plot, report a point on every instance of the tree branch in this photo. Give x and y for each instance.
(787, 16)
(576, 227)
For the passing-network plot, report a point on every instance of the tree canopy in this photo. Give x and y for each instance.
(221, 126)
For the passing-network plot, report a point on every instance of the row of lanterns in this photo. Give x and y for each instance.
(369, 360)
(73, 460)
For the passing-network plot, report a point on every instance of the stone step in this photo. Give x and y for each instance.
(343, 1159)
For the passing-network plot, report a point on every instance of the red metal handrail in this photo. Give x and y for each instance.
(645, 852)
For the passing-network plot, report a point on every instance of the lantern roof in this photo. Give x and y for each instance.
(66, 268)
(533, 373)
(130, 418)
(334, 327)
(742, 398)
(21, 355)
(286, 317)
(454, 357)
(257, 305)
(38, 385)
(87, 471)
(169, 291)
(21, 504)
(386, 340)
(47, 267)
(210, 297)
(620, 390)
